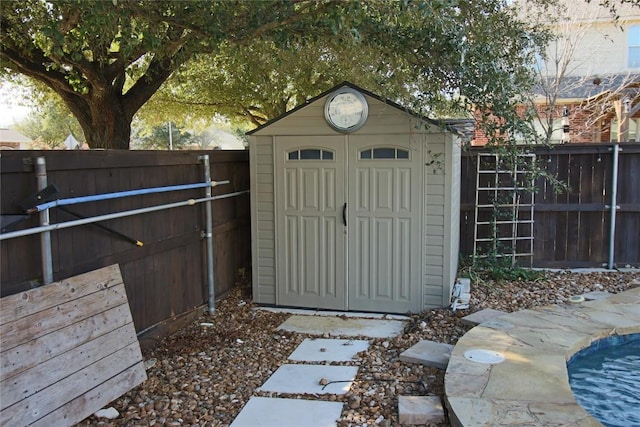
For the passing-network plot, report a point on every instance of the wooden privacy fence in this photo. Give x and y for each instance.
(572, 229)
(167, 276)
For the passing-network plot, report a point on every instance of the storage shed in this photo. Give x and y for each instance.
(354, 206)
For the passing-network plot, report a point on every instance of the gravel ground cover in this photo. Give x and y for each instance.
(204, 374)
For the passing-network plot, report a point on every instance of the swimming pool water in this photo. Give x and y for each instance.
(605, 380)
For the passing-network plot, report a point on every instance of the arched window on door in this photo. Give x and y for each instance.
(310, 154)
(384, 153)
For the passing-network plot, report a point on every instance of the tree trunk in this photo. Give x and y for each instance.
(111, 131)
(104, 119)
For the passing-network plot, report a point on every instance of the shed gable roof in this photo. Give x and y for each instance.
(450, 126)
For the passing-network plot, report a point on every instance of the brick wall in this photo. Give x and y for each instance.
(581, 128)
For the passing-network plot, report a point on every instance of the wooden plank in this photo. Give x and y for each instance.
(26, 356)
(55, 369)
(74, 386)
(563, 263)
(574, 236)
(85, 405)
(628, 189)
(55, 318)
(596, 228)
(627, 243)
(58, 363)
(35, 300)
(571, 207)
(588, 193)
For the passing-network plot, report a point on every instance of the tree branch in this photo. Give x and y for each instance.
(34, 67)
(158, 71)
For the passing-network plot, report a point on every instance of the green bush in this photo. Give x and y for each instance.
(497, 269)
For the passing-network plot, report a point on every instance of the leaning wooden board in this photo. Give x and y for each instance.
(66, 350)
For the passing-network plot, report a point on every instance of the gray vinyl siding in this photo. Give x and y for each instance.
(452, 213)
(262, 221)
(434, 220)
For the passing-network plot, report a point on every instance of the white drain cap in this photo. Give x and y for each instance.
(480, 355)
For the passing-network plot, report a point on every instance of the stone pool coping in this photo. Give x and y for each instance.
(531, 387)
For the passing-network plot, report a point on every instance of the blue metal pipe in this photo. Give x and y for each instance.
(119, 194)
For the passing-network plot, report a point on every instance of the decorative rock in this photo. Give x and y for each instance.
(354, 402)
(420, 410)
(108, 413)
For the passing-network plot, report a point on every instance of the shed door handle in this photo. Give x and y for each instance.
(344, 214)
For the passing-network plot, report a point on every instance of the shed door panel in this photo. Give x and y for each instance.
(384, 213)
(310, 236)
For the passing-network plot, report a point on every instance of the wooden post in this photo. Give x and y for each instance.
(621, 106)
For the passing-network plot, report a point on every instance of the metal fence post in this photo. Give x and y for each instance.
(209, 236)
(45, 236)
(613, 207)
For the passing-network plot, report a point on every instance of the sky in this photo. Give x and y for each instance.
(11, 109)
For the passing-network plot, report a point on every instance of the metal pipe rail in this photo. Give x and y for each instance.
(68, 224)
(120, 194)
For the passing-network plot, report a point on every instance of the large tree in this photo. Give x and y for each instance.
(434, 57)
(105, 59)
(257, 82)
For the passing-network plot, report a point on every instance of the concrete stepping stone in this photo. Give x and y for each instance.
(420, 410)
(474, 319)
(307, 379)
(343, 326)
(277, 412)
(429, 353)
(328, 350)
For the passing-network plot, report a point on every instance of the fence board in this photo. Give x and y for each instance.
(571, 229)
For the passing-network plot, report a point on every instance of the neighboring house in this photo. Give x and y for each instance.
(218, 139)
(596, 67)
(222, 140)
(13, 140)
(589, 83)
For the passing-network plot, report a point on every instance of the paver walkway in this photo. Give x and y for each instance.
(314, 376)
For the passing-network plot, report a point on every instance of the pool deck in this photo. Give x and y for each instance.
(531, 386)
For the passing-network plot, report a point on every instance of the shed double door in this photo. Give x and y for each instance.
(348, 223)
